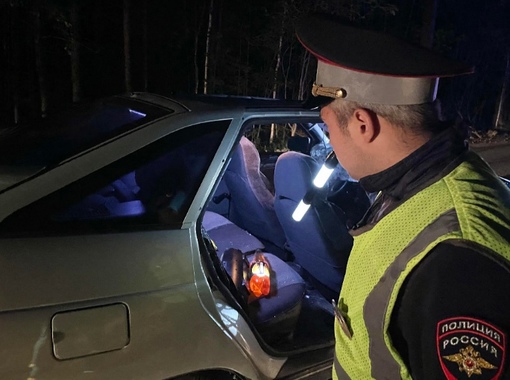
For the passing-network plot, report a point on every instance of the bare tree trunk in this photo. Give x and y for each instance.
(39, 63)
(277, 65)
(145, 48)
(195, 52)
(304, 75)
(13, 76)
(246, 71)
(285, 73)
(429, 23)
(217, 47)
(239, 67)
(75, 53)
(275, 80)
(207, 44)
(195, 61)
(293, 129)
(127, 47)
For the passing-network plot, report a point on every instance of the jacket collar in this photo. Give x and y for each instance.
(427, 164)
(422, 164)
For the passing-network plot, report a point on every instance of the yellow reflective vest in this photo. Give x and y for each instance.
(466, 204)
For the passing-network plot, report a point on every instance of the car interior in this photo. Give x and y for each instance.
(252, 209)
(154, 185)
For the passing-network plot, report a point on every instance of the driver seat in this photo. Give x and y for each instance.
(320, 242)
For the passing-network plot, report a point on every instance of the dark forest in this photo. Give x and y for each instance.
(58, 52)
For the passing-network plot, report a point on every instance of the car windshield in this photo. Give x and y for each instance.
(27, 150)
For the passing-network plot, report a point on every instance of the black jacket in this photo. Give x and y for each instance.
(452, 316)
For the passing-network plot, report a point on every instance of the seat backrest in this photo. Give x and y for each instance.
(320, 242)
(226, 234)
(251, 202)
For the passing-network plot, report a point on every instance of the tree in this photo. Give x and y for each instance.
(12, 47)
(199, 16)
(39, 61)
(127, 45)
(145, 47)
(279, 53)
(207, 44)
(75, 52)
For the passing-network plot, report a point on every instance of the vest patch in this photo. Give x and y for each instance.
(468, 346)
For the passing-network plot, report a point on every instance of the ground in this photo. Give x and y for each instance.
(491, 136)
(494, 147)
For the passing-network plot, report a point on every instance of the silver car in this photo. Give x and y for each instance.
(129, 229)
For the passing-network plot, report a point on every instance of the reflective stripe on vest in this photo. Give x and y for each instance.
(378, 300)
(384, 365)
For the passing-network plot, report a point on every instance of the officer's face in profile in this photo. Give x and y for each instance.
(343, 144)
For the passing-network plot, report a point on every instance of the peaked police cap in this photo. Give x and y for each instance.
(371, 67)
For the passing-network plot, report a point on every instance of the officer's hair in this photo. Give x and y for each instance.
(415, 118)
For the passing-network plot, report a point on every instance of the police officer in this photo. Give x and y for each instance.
(427, 289)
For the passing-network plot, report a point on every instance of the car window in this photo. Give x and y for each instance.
(29, 149)
(153, 187)
(273, 139)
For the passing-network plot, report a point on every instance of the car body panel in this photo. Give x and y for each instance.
(142, 262)
(158, 288)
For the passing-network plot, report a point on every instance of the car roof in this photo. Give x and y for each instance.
(230, 101)
(28, 151)
(203, 103)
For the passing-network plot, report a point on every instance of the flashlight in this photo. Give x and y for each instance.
(303, 205)
(319, 181)
(326, 170)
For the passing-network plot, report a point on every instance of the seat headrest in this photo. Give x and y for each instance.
(246, 163)
(294, 173)
(246, 157)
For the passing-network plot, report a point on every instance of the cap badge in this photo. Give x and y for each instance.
(332, 92)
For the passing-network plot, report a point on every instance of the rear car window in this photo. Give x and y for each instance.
(29, 149)
(152, 188)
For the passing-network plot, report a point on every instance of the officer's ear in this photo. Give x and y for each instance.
(365, 125)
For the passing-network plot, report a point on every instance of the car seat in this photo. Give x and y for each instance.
(226, 234)
(251, 201)
(276, 315)
(320, 242)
